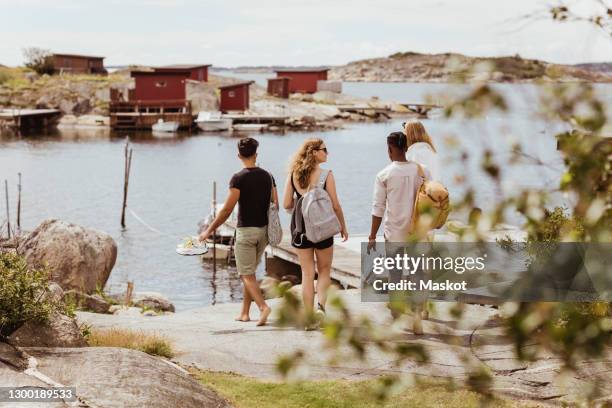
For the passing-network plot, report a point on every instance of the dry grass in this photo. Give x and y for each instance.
(150, 343)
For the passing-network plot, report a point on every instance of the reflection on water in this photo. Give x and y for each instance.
(78, 176)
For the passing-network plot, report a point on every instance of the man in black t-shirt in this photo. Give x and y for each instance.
(252, 188)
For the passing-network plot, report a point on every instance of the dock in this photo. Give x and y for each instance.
(365, 110)
(421, 109)
(29, 119)
(346, 264)
(142, 115)
(239, 118)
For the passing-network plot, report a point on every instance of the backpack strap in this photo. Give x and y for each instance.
(297, 213)
(322, 178)
(420, 170)
(271, 187)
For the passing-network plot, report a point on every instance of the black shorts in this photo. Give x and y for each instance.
(306, 244)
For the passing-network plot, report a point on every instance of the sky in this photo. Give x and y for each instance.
(290, 32)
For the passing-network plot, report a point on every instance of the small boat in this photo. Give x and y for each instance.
(162, 126)
(250, 127)
(212, 122)
(221, 252)
(225, 232)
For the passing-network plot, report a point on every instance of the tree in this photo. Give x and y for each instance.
(39, 60)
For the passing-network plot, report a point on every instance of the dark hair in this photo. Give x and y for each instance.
(397, 139)
(247, 147)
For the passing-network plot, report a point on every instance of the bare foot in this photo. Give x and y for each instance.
(263, 317)
(242, 318)
(417, 326)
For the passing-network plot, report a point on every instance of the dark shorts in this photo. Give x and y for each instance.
(306, 244)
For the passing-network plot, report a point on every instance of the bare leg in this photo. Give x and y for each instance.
(246, 307)
(306, 259)
(251, 285)
(324, 261)
(417, 323)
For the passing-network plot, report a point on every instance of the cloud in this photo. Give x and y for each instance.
(290, 32)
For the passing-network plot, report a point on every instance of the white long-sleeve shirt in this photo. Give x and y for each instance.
(423, 154)
(395, 190)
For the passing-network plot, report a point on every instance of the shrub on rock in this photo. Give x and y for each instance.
(24, 294)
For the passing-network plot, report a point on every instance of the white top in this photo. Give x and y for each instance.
(395, 190)
(423, 154)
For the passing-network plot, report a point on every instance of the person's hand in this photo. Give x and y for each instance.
(204, 236)
(344, 235)
(371, 244)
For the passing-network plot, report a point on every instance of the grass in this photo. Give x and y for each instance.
(245, 392)
(13, 78)
(150, 343)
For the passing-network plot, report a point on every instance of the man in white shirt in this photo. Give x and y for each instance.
(395, 190)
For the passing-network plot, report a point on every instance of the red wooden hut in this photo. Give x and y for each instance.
(303, 80)
(279, 87)
(157, 95)
(235, 97)
(159, 86)
(78, 64)
(197, 72)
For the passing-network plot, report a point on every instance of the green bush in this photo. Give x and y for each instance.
(23, 293)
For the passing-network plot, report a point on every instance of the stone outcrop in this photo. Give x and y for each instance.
(59, 331)
(94, 303)
(79, 258)
(114, 377)
(152, 300)
(147, 300)
(106, 377)
(416, 67)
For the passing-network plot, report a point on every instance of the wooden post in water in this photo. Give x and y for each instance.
(129, 293)
(214, 214)
(19, 203)
(8, 218)
(126, 178)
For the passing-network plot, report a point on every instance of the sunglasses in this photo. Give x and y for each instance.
(324, 149)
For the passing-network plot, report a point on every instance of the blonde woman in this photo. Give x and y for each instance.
(421, 148)
(304, 174)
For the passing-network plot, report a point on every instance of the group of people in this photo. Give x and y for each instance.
(254, 188)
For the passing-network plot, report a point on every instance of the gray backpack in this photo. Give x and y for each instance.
(320, 220)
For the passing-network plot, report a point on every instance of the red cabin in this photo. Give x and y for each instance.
(303, 80)
(197, 72)
(159, 86)
(279, 87)
(78, 64)
(235, 97)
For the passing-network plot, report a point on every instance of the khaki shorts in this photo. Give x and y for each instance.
(250, 245)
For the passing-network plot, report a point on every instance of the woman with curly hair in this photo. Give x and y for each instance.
(304, 173)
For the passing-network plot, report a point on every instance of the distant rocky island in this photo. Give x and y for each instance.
(448, 67)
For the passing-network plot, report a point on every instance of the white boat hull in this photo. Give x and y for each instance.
(166, 127)
(215, 125)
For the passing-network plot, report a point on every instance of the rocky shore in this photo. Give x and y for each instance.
(450, 67)
(84, 100)
(54, 352)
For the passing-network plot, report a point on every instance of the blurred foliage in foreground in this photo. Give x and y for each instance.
(572, 332)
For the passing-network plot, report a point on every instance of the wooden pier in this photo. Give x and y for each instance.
(144, 114)
(421, 109)
(365, 110)
(29, 119)
(346, 264)
(278, 120)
